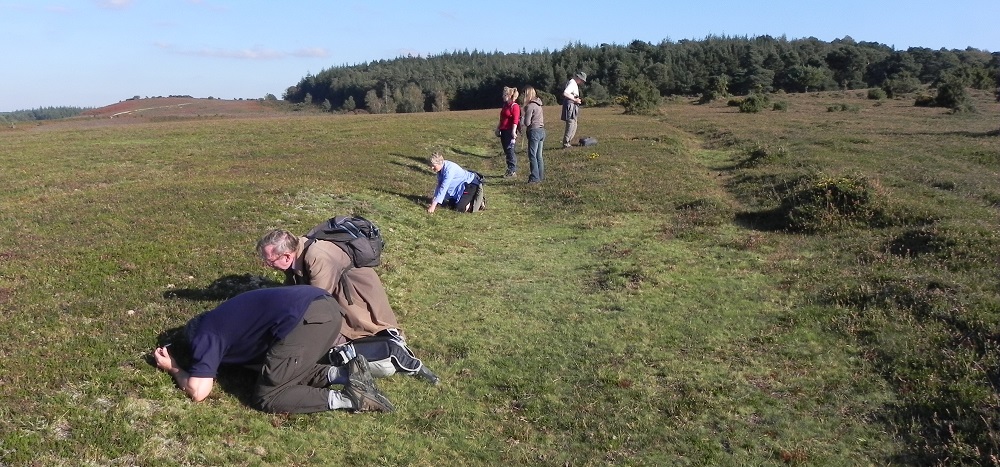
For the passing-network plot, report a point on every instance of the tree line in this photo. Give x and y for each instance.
(714, 66)
(41, 113)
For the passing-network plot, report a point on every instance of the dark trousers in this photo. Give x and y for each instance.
(506, 141)
(464, 203)
(292, 380)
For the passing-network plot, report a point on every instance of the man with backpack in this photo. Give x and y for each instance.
(370, 327)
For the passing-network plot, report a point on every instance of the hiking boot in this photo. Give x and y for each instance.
(361, 389)
(426, 374)
(358, 372)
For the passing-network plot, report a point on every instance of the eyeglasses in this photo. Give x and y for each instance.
(270, 260)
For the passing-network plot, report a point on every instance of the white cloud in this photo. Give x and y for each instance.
(114, 4)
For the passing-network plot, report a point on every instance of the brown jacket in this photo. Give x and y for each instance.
(325, 262)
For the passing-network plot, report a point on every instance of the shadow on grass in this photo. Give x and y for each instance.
(774, 220)
(224, 288)
(420, 169)
(415, 199)
(422, 163)
(970, 134)
(462, 152)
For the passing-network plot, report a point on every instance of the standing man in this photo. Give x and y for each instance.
(571, 106)
(283, 331)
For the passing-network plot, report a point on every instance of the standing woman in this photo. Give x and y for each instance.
(510, 116)
(535, 123)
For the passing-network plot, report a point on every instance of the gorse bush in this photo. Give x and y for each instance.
(953, 95)
(924, 100)
(758, 154)
(843, 108)
(643, 97)
(822, 203)
(754, 103)
(709, 96)
(876, 94)
(780, 106)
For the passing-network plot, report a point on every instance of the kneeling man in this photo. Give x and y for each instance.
(285, 332)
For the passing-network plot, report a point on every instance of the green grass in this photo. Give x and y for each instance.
(643, 306)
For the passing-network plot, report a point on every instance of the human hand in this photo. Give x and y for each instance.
(164, 360)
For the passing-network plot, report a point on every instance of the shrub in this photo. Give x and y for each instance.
(876, 94)
(709, 96)
(843, 108)
(780, 106)
(924, 100)
(821, 204)
(759, 154)
(547, 98)
(754, 103)
(734, 102)
(953, 95)
(643, 97)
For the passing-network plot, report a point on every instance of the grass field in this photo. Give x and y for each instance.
(703, 287)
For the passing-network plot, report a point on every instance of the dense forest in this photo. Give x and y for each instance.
(713, 67)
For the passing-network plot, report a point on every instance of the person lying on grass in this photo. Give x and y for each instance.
(286, 332)
(369, 327)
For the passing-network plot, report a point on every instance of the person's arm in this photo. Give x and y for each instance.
(572, 91)
(568, 92)
(515, 110)
(446, 178)
(196, 388)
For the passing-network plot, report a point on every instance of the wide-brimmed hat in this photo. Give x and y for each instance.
(581, 75)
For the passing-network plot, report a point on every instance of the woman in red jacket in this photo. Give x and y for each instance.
(510, 117)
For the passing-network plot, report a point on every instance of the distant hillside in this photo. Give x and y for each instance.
(161, 107)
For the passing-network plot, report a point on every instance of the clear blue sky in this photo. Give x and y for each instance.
(92, 53)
